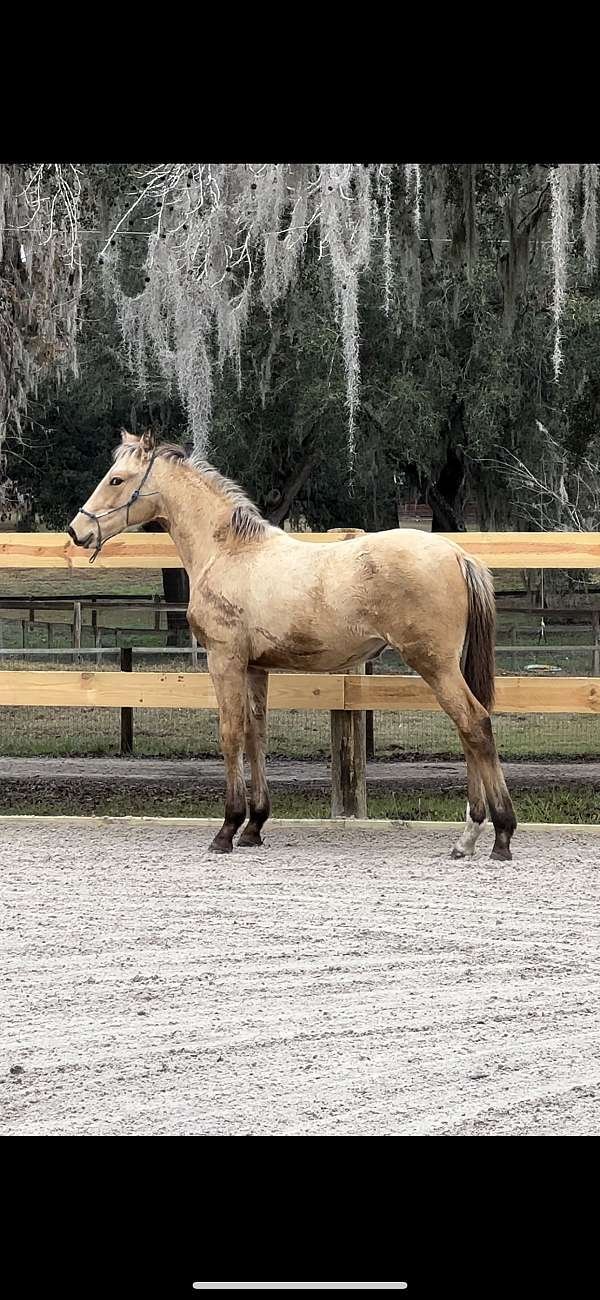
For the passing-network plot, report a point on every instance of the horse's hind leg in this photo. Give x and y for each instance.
(229, 681)
(476, 810)
(256, 741)
(475, 729)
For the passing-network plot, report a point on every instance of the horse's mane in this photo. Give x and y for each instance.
(246, 520)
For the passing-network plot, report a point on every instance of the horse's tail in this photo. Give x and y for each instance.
(479, 651)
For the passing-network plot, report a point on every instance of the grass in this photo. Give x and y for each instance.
(186, 733)
(561, 804)
(72, 583)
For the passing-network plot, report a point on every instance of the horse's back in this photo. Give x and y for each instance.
(365, 573)
(391, 545)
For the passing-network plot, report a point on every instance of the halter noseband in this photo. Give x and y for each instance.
(126, 506)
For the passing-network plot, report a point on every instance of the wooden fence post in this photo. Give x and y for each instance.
(126, 713)
(96, 632)
(348, 762)
(596, 650)
(77, 629)
(369, 731)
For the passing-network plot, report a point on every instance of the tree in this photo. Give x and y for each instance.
(265, 267)
(40, 281)
(225, 234)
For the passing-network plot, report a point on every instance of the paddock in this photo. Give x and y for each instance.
(340, 980)
(344, 979)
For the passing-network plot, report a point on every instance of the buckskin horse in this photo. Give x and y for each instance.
(261, 600)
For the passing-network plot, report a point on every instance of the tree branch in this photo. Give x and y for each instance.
(280, 511)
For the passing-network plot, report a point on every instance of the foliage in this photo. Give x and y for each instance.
(457, 319)
(40, 281)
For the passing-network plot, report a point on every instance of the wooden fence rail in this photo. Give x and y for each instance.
(353, 692)
(157, 550)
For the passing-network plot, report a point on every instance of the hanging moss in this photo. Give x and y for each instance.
(224, 237)
(563, 180)
(40, 282)
(588, 224)
(385, 194)
(227, 233)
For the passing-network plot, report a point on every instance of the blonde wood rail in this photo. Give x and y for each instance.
(513, 694)
(127, 551)
(110, 690)
(157, 550)
(532, 550)
(330, 691)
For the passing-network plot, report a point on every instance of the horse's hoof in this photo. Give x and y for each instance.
(501, 855)
(460, 853)
(221, 846)
(250, 840)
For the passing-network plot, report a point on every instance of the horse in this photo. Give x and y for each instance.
(262, 600)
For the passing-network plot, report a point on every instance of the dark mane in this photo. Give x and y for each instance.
(246, 520)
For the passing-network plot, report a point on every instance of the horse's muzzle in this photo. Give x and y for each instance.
(85, 541)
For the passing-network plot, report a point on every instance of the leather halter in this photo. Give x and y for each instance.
(125, 506)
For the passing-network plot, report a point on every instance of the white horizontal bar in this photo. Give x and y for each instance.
(300, 1286)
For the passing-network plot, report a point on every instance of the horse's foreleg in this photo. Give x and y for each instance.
(256, 740)
(229, 681)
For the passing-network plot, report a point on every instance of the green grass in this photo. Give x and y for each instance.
(185, 733)
(73, 583)
(562, 804)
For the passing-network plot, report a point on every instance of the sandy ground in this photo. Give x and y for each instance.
(336, 981)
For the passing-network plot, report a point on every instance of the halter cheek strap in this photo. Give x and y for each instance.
(126, 507)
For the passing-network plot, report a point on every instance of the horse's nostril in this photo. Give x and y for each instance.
(79, 541)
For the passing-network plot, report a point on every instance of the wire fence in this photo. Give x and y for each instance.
(189, 733)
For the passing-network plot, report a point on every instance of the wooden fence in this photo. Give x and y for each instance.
(345, 695)
(157, 550)
(350, 692)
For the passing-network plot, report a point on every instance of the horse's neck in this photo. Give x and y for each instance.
(194, 511)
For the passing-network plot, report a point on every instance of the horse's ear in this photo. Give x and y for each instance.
(129, 439)
(147, 441)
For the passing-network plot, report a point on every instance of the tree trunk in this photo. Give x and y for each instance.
(278, 504)
(176, 586)
(446, 495)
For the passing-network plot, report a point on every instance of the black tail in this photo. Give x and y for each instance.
(479, 652)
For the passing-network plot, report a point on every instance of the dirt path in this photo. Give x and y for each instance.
(332, 982)
(306, 775)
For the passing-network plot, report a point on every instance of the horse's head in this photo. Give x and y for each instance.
(124, 496)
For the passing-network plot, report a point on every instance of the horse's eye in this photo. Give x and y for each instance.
(114, 482)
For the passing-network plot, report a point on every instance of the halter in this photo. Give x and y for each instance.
(125, 506)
